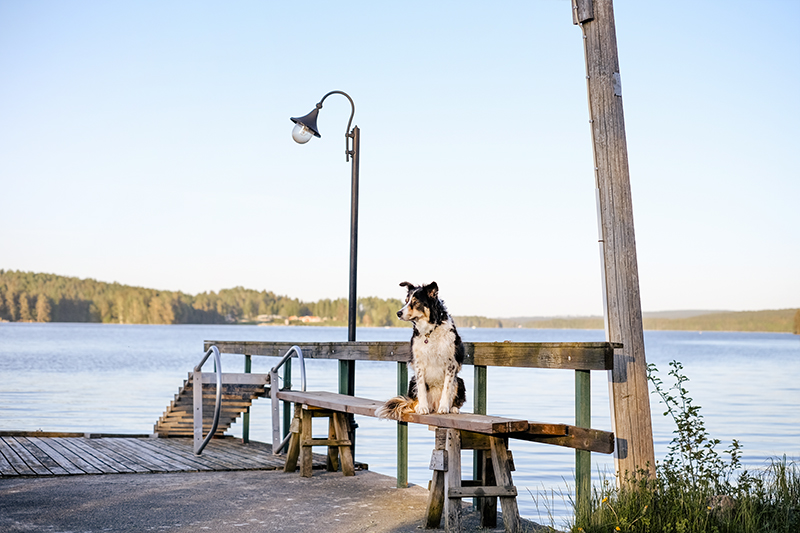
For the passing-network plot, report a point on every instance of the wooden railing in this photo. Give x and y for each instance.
(582, 357)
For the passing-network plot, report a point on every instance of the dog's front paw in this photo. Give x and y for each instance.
(422, 409)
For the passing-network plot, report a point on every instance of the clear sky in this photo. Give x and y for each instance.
(149, 143)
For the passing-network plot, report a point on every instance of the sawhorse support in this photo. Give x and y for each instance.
(495, 481)
(302, 441)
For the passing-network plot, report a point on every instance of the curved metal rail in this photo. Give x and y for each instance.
(198, 400)
(277, 443)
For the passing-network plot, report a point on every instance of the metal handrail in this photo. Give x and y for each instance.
(198, 386)
(277, 443)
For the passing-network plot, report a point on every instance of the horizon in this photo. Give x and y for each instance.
(150, 144)
(678, 313)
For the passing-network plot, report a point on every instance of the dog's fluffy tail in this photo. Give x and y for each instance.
(396, 407)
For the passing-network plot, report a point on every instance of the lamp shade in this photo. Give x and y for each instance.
(309, 121)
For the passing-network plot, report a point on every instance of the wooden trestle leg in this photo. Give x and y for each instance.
(302, 441)
(447, 488)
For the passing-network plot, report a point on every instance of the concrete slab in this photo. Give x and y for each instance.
(261, 501)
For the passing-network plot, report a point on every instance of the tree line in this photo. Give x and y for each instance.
(36, 297)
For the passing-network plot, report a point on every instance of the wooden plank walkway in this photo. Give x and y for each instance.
(27, 454)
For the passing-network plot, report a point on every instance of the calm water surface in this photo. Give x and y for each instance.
(120, 378)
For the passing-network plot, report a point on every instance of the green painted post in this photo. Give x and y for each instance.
(246, 416)
(402, 430)
(347, 385)
(583, 458)
(479, 398)
(287, 406)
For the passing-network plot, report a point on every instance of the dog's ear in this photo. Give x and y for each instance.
(407, 285)
(432, 290)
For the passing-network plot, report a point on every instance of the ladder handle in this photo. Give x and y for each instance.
(218, 372)
(288, 356)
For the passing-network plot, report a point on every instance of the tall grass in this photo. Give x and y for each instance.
(695, 488)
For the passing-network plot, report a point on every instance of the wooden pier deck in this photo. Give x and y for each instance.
(29, 454)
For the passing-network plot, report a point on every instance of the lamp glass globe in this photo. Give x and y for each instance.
(301, 134)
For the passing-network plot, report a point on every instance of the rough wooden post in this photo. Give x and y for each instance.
(630, 401)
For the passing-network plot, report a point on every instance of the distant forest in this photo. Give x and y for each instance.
(34, 297)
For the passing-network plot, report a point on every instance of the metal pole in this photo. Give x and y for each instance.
(347, 369)
(353, 299)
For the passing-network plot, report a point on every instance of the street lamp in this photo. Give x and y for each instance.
(305, 128)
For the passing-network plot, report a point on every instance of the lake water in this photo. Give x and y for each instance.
(120, 378)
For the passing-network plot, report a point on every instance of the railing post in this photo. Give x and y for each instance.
(583, 458)
(248, 361)
(402, 430)
(347, 385)
(479, 398)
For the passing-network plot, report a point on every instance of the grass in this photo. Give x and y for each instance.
(695, 488)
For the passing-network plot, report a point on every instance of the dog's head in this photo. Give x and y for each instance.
(422, 302)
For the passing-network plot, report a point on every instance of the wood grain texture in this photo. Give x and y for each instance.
(630, 409)
(565, 355)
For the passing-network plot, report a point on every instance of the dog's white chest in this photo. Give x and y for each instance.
(435, 354)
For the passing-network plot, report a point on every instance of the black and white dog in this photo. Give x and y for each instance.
(436, 357)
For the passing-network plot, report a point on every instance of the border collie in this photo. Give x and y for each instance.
(436, 357)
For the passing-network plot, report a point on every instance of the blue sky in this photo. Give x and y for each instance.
(149, 143)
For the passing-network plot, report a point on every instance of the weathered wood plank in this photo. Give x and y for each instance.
(75, 445)
(27, 456)
(144, 457)
(593, 440)
(5, 467)
(207, 459)
(236, 379)
(479, 492)
(62, 444)
(16, 462)
(565, 355)
(105, 446)
(502, 472)
(55, 454)
(42, 456)
(452, 482)
(366, 407)
(630, 397)
(178, 460)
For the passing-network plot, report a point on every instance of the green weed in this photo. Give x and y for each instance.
(695, 488)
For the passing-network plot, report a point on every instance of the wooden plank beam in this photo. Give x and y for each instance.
(564, 355)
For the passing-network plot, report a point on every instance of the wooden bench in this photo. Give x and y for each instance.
(488, 435)
(454, 432)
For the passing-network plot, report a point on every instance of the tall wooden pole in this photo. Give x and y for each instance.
(630, 399)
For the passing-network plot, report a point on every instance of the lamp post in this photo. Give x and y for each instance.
(305, 128)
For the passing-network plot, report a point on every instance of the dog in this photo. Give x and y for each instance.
(437, 354)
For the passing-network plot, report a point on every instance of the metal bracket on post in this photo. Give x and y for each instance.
(582, 11)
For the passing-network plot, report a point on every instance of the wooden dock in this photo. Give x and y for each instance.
(65, 454)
